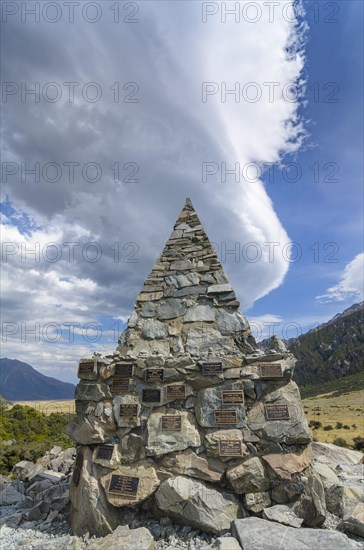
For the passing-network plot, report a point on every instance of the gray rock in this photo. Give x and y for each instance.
(217, 289)
(23, 469)
(187, 463)
(329, 453)
(203, 312)
(91, 429)
(90, 510)
(210, 399)
(148, 309)
(161, 442)
(148, 483)
(9, 495)
(256, 502)
(340, 500)
(13, 520)
(249, 477)
(231, 322)
(181, 265)
(203, 340)
(88, 391)
(255, 533)
(170, 308)
(225, 543)
(193, 503)
(190, 291)
(180, 281)
(353, 521)
(125, 539)
(282, 514)
(291, 431)
(211, 443)
(151, 328)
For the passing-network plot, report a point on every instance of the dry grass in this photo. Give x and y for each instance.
(347, 409)
(48, 407)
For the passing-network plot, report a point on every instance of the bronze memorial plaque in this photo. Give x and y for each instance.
(124, 370)
(151, 395)
(210, 369)
(105, 452)
(230, 447)
(120, 385)
(270, 370)
(154, 375)
(229, 397)
(128, 410)
(225, 416)
(172, 422)
(124, 485)
(176, 391)
(86, 367)
(276, 412)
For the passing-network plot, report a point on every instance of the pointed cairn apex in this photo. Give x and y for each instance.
(188, 204)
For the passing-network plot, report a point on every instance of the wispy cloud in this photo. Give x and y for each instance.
(350, 285)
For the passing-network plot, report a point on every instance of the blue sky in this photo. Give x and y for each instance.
(314, 210)
(163, 141)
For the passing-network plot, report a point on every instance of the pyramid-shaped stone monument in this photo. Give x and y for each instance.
(188, 419)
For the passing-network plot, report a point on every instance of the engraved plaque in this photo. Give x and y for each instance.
(151, 395)
(124, 370)
(230, 447)
(270, 370)
(128, 410)
(210, 369)
(121, 385)
(225, 416)
(171, 422)
(230, 397)
(124, 485)
(154, 375)
(86, 367)
(276, 412)
(176, 391)
(105, 452)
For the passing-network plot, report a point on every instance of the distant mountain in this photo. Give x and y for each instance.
(20, 382)
(333, 350)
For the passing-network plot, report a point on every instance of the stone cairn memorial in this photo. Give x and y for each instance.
(187, 418)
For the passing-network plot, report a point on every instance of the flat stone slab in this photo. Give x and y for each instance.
(282, 514)
(328, 453)
(260, 534)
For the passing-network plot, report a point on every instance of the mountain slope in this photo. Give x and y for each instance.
(20, 382)
(333, 350)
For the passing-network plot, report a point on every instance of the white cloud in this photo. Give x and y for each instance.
(169, 134)
(350, 285)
